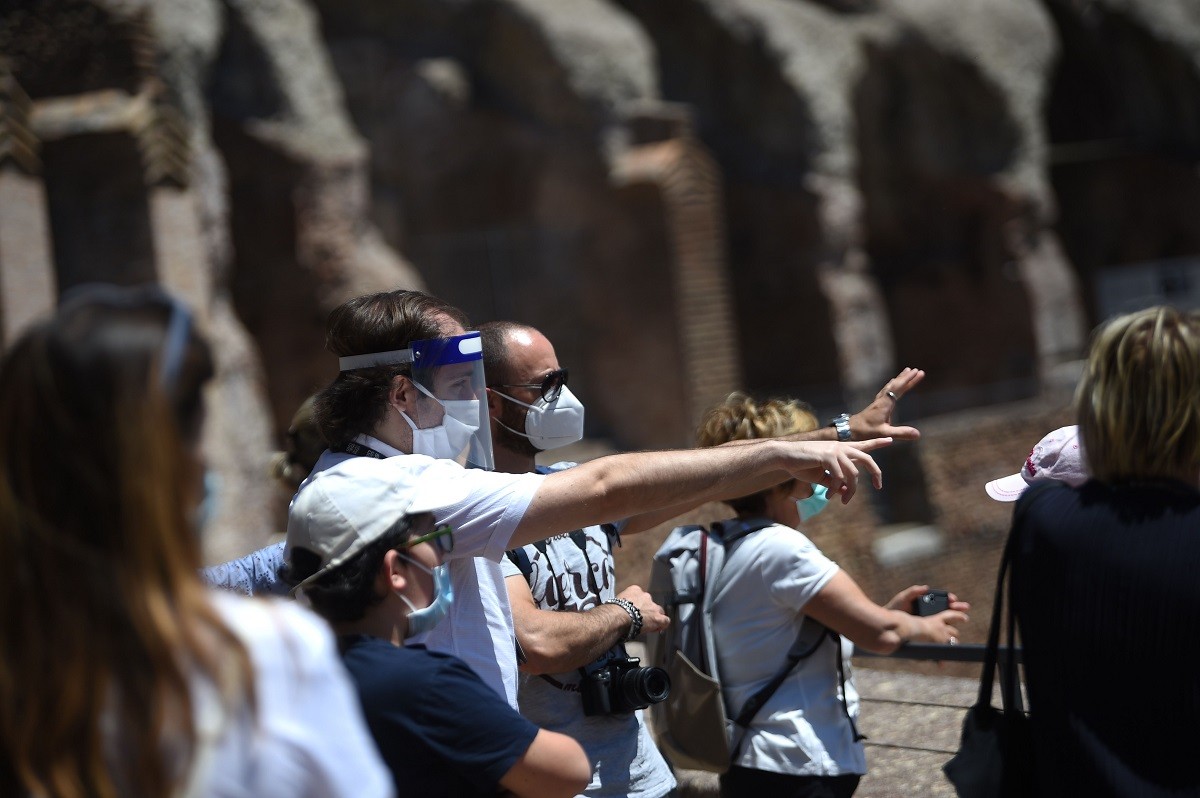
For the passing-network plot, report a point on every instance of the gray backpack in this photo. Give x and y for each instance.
(694, 725)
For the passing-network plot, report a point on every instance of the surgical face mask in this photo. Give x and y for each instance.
(421, 621)
(450, 439)
(549, 425)
(206, 510)
(812, 506)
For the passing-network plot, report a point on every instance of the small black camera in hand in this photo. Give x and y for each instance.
(933, 602)
(615, 683)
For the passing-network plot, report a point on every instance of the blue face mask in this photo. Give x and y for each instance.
(206, 510)
(423, 620)
(814, 504)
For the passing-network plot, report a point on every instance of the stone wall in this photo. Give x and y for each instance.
(687, 196)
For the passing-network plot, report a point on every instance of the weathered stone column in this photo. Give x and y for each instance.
(690, 184)
(27, 285)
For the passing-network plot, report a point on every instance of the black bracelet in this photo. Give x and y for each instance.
(635, 616)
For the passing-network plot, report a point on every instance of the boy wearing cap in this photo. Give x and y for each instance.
(362, 546)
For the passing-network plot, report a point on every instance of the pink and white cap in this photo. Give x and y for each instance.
(1057, 457)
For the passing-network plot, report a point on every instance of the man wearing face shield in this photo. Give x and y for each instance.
(364, 549)
(562, 590)
(446, 418)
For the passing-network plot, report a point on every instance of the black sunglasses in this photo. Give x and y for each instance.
(550, 387)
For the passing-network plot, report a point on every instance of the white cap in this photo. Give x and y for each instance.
(1057, 457)
(340, 510)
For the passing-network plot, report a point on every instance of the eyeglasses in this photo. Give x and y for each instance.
(441, 537)
(550, 387)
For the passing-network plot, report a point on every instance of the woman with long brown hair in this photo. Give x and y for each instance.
(120, 673)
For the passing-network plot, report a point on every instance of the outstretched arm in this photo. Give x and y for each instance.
(557, 642)
(843, 607)
(624, 485)
(873, 421)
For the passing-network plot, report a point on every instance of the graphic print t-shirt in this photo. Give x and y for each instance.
(567, 576)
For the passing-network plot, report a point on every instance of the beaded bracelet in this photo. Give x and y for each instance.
(635, 616)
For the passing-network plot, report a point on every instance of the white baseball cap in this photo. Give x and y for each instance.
(1058, 457)
(340, 510)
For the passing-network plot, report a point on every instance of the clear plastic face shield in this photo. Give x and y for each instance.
(450, 418)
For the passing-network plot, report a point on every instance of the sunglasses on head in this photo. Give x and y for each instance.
(179, 324)
(442, 538)
(550, 387)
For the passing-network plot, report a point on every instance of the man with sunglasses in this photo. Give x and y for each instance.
(364, 549)
(565, 607)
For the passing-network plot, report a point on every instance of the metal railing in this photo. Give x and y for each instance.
(940, 652)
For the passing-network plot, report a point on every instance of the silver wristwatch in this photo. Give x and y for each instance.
(842, 425)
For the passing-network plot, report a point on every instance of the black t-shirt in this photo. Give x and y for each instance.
(1106, 587)
(439, 728)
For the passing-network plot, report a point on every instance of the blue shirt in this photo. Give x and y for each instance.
(439, 728)
(256, 574)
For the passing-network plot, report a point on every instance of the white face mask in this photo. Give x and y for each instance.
(450, 439)
(549, 425)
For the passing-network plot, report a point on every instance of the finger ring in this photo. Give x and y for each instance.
(892, 395)
(953, 640)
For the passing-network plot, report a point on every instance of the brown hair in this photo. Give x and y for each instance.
(741, 418)
(1138, 403)
(102, 611)
(304, 447)
(356, 400)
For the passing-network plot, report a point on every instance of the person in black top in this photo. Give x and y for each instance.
(1104, 574)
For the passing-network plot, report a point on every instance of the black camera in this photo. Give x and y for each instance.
(615, 683)
(932, 602)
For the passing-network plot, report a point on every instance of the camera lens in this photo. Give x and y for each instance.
(640, 687)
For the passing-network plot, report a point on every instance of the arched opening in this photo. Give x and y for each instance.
(99, 215)
(1124, 125)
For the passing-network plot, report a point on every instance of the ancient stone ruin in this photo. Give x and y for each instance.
(687, 196)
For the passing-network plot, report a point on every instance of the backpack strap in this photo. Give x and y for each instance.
(798, 652)
(519, 558)
(740, 530)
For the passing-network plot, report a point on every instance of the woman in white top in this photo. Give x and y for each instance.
(120, 673)
(776, 591)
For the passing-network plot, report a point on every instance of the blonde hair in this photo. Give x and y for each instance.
(741, 418)
(1138, 403)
